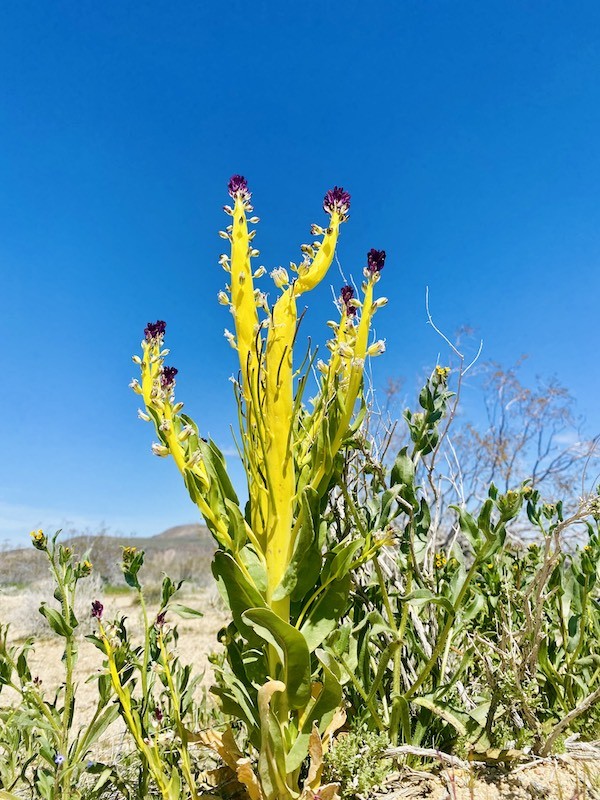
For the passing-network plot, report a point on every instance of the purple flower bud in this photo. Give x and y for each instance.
(375, 261)
(160, 619)
(238, 185)
(155, 330)
(158, 714)
(97, 609)
(167, 377)
(338, 200)
(347, 294)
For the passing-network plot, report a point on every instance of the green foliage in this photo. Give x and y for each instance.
(39, 744)
(475, 641)
(357, 762)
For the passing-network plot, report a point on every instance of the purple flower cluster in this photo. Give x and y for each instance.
(167, 377)
(155, 330)
(347, 293)
(238, 185)
(97, 609)
(375, 261)
(338, 200)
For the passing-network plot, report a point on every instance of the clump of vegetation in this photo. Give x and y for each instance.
(397, 591)
(357, 762)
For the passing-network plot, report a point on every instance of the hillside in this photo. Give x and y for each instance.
(183, 552)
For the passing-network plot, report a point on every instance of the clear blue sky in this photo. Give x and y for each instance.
(468, 134)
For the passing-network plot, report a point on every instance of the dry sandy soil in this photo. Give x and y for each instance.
(566, 779)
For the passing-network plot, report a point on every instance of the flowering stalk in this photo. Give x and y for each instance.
(285, 584)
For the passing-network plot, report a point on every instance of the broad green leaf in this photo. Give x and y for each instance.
(292, 649)
(238, 593)
(325, 612)
(403, 471)
(56, 621)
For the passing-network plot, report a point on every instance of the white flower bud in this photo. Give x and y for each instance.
(165, 425)
(254, 253)
(224, 235)
(185, 433)
(135, 385)
(254, 220)
(230, 338)
(345, 350)
(177, 408)
(280, 277)
(143, 415)
(259, 272)
(322, 366)
(136, 359)
(160, 450)
(223, 298)
(377, 348)
(379, 303)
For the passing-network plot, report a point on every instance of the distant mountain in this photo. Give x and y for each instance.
(182, 552)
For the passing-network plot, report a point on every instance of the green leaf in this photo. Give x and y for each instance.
(271, 761)
(237, 525)
(468, 526)
(237, 591)
(341, 562)
(421, 596)
(403, 471)
(56, 621)
(185, 611)
(292, 650)
(325, 612)
(441, 710)
(174, 787)
(384, 660)
(305, 563)
(320, 713)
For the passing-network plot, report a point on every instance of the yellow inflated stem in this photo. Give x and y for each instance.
(242, 295)
(279, 460)
(322, 260)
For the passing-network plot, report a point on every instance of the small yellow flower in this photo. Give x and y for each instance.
(490, 565)
(39, 539)
(442, 372)
(129, 554)
(588, 548)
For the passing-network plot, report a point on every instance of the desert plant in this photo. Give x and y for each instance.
(283, 575)
(478, 640)
(154, 690)
(51, 755)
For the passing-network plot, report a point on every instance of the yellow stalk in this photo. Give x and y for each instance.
(322, 260)
(279, 460)
(242, 295)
